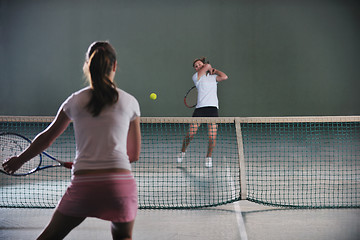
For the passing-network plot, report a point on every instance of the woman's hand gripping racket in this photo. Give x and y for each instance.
(190, 98)
(12, 144)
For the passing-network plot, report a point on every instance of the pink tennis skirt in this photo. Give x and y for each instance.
(111, 197)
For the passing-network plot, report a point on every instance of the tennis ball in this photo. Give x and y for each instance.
(153, 96)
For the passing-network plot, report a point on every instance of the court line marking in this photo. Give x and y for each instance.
(240, 221)
(239, 217)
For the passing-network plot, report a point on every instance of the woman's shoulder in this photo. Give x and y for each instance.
(83, 90)
(79, 94)
(123, 94)
(128, 101)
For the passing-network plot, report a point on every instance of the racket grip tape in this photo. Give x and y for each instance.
(66, 164)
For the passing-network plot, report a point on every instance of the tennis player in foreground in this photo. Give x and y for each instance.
(107, 132)
(205, 80)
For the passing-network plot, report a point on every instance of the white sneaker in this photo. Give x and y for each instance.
(180, 157)
(208, 162)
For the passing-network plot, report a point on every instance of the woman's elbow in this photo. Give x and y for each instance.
(222, 78)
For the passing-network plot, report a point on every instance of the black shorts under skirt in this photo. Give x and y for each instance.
(206, 112)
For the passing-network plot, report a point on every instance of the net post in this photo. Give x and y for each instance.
(242, 165)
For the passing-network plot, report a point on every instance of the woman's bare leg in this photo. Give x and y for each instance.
(212, 133)
(122, 231)
(189, 136)
(59, 226)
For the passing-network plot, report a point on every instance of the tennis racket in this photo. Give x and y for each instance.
(190, 98)
(12, 144)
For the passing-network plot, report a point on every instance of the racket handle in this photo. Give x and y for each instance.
(67, 164)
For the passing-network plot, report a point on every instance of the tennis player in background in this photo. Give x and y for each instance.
(107, 132)
(205, 80)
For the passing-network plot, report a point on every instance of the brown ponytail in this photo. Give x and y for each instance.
(102, 58)
(202, 59)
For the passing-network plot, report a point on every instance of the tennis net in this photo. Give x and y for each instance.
(303, 162)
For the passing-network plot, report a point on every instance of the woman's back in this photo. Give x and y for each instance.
(101, 140)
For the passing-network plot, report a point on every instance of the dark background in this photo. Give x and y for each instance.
(283, 58)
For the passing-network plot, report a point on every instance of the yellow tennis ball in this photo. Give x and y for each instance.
(153, 96)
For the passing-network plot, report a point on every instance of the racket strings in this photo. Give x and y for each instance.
(13, 145)
(191, 98)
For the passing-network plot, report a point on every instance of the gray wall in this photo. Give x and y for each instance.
(283, 58)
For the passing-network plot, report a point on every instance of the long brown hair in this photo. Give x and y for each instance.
(100, 59)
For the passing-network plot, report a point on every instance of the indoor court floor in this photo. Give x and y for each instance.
(240, 220)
